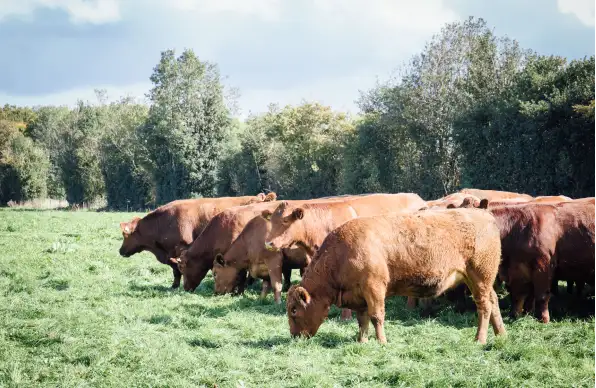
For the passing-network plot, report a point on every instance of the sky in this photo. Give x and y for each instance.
(273, 51)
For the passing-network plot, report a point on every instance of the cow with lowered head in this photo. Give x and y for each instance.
(169, 229)
(423, 254)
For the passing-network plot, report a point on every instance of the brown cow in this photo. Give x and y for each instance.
(421, 254)
(451, 201)
(308, 226)
(247, 252)
(218, 235)
(172, 227)
(494, 195)
(575, 247)
(552, 199)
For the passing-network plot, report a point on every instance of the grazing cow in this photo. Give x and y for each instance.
(422, 254)
(308, 225)
(575, 247)
(494, 195)
(541, 242)
(528, 241)
(451, 201)
(552, 199)
(247, 252)
(218, 235)
(169, 229)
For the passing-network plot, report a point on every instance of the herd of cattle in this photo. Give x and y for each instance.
(354, 251)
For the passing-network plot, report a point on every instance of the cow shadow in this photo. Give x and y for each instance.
(150, 290)
(267, 343)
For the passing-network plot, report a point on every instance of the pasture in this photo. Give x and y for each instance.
(75, 313)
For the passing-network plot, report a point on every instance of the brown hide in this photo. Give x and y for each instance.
(552, 199)
(494, 195)
(575, 247)
(247, 252)
(528, 240)
(169, 229)
(452, 200)
(216, 238)
(422, 254)
(307, 226)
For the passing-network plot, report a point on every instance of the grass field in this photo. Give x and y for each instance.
(75, 313)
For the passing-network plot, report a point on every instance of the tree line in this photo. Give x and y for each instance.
(471, 110)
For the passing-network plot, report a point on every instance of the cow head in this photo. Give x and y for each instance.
(305, 314)
(286, 228)
(132, 242)
(192, 269)
(225, 275)
(470, 202)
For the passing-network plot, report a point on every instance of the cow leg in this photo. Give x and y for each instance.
(570, 287)
(529, 303)
(287, 274)
(375, 301)
(265, 288)
(411, 303)
(346, 314)
(177, 275)
(363, 321)
(541, 280)
(483, 300)
(302, 271)
(241, 281)
(275, 272)
(579, 288)
(554, 287)
(496, 320)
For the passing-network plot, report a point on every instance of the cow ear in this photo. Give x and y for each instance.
(451, 206)
(125, 226)
(266, 214)
(220, 260)
(270, 197)
(261, 197)
(483, 204)
(303, 295)
(298, 213)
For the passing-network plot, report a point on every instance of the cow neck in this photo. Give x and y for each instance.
(317, 282)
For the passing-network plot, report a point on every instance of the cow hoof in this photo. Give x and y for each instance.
(363, 340)
(175, 285)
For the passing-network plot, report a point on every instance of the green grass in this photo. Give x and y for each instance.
(75, 313)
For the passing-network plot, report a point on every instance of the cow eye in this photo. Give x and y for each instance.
(294, 311)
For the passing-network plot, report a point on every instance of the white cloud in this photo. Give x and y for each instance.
(582, 9)
(265, 9)
(79, 11)
(371, 36)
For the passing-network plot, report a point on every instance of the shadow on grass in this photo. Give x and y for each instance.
(267, 343)
(149, 290)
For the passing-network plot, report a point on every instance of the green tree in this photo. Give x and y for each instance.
(23, 166)
(124, 159)
(187, 123)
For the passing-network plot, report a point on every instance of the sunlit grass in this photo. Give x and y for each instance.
(75, 313)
